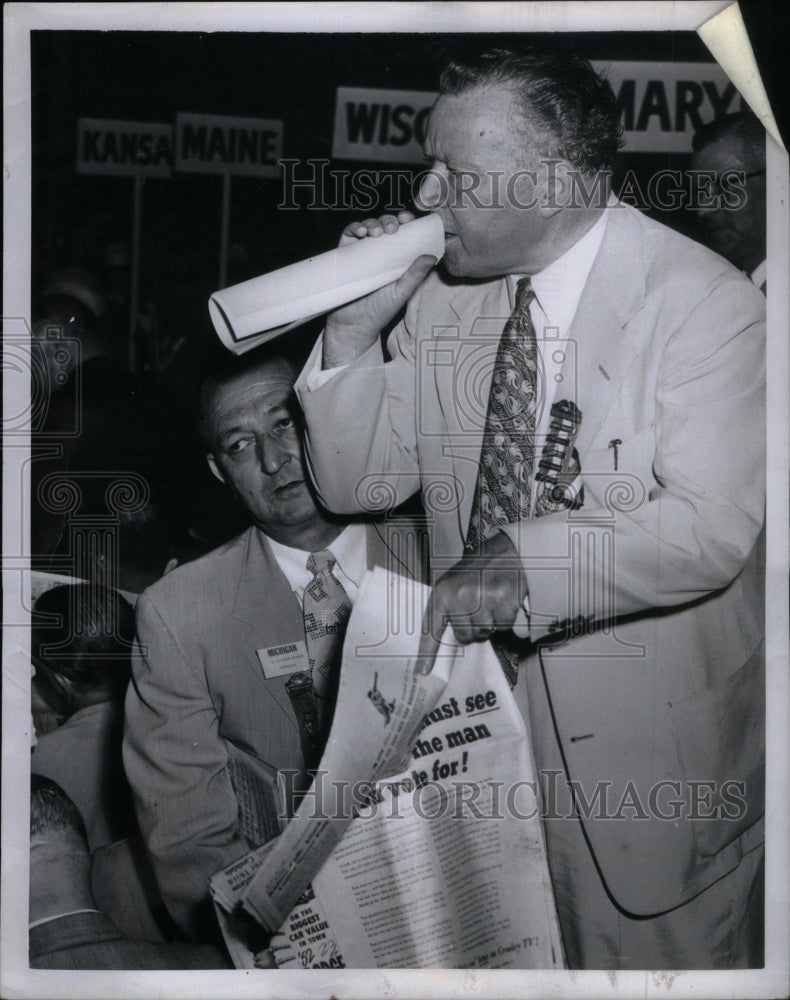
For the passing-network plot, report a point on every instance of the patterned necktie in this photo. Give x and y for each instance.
(504, 478)
(326, 609)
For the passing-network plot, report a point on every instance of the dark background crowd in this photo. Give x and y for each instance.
(82, 240)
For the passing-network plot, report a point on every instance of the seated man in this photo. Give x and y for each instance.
(730, 152)
(67, 931)
(82, 640)
(236, 670)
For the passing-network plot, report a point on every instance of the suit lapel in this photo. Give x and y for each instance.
(265, 602)
(605, 346)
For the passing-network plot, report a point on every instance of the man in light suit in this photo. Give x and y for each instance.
(638, 607)
(209, 718)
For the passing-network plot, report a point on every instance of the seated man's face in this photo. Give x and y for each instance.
(257, 451)
(736, 233)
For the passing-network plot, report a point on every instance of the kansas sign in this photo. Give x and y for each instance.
(127, 149)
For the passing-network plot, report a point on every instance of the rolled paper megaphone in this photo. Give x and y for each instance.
(257, 310)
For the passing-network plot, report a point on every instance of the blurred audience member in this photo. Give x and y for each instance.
(144, 553)
(66, 324)
(732, 149)
(106, 422)
(67, 931)
(81, 646)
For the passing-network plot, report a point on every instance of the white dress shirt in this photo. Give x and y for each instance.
(558, 289)
(349, 550)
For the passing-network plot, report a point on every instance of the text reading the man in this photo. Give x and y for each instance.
(472, 706)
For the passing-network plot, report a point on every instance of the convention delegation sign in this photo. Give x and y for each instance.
(661, 106)
(124, 149)
(223, 144)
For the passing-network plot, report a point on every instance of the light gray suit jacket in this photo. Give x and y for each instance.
(663, 677)
(206, 731)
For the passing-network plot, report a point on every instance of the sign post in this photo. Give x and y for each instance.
(219, 144)
(134, 290)
(127, 149)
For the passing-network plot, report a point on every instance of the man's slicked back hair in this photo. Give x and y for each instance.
(571, 107)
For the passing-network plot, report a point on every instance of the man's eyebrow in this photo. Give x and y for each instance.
(286, 404)
(230, 431)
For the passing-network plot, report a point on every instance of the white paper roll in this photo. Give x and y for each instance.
(254, 311)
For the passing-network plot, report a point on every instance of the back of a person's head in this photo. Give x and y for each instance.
(569, 106)
(81, 641)
(52, 812)
(145, 546)
(60, 859)
(61, 314)
(78, 285)
(70, 306)
(142, 551)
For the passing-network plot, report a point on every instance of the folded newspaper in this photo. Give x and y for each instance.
(419, 844)
(250, 313)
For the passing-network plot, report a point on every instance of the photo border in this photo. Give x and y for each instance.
(17, 979)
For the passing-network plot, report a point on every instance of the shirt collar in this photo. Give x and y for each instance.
(60, 916)
(558, 287)
(349, 549)
(759, 274)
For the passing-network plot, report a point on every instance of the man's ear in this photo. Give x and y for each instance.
(172, 563)
(558, 187)
(212, 464)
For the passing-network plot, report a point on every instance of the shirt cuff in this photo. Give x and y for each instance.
(314, 376)
(315, 379)
(521, 626)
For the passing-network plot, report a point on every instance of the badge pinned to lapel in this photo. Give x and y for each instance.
(559, 471)
(287, 658)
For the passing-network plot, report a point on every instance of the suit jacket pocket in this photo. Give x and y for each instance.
(720, 739)
(628, 486)
(256, 793)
